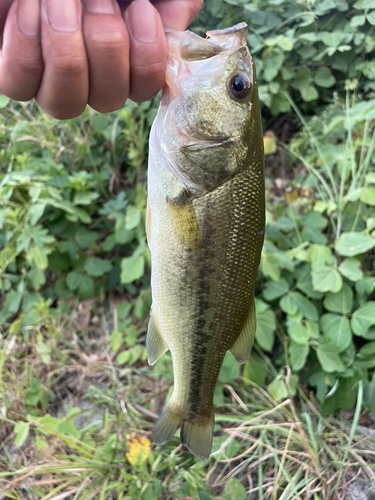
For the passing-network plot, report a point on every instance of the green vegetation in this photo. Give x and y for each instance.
(307, 48)
(77, 398)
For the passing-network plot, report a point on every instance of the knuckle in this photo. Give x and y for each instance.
(109, 40)
(69, 66)
(29, 67)
(153, 70)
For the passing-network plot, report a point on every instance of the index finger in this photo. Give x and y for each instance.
(178, 14)
(175, 14)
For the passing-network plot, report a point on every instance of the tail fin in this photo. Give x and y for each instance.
(166, 425)
(198, 437)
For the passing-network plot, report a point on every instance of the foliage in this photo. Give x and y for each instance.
(305, 48)
(318, 259)
(75, 447)
(59, 217)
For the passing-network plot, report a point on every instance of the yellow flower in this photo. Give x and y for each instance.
(270, 144)
(139, 449)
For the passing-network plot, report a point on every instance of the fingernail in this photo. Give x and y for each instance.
(142, 21)
(99, 6)
(28, 16)
(62, 14)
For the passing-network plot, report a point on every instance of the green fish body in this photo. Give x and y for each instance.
(205, 223)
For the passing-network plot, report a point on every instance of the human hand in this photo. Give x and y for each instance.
(70, 53)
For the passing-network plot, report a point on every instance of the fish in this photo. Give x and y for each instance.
(205, 222)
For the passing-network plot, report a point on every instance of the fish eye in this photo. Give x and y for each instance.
(239, 86)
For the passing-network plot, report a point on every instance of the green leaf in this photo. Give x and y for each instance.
(41, 443)
(302, 79)
(97, 267)
(298, 354)
(4, 101)
(321, 256)
(354, 243)
(369, 396)
(230, 369)
(266, 326)
(285, 43)
(313, 328)
(275, 289)
(326, 279)
(363, 318)
(342, 396)
(368, 196)
(304, 283)
(270, 265)
(277, 389)
(356, 21)
(36, 277)
(336, 330)
(329, 359)
(324, 77)
(73, 280)
(335, 38)
(132, 268)
(22, 431)
(35, 212)
(351, 269)
(304, 305)
(341, 302)
(82, 215)
(288, 304)
(315, 220)
(82, 198)
(309, 94)
(84, 238)
(272, 64)
(109, 243)
(14, 301)
(298, 334)
(234, 489)
(86, 286)
(132, 218)
(313, 235)
(367, 351)
(39, 255)
(255, 371)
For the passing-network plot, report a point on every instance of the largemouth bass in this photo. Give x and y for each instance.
(205, 223)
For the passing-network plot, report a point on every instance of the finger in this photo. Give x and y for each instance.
(148, 50)
(178, 14)
(63, 92)
(21, 63)
(107, 46)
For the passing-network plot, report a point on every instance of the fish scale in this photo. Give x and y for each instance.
(205, 224)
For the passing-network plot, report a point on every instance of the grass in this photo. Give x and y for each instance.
(76, 424)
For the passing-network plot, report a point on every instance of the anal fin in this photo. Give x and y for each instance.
(155, 344)
(241, 348)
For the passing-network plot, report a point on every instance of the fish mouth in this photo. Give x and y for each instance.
(209, 138)
(205, 141)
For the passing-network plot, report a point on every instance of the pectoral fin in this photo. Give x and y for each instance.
(241, 349)
(155, 345)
